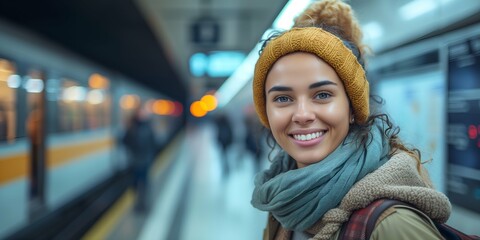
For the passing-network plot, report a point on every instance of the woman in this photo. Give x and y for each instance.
(311, 92)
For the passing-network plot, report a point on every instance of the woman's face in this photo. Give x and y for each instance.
(307, 107)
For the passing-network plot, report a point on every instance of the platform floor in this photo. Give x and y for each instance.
(190, 197)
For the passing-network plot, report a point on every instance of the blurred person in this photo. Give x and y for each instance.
(253, 140)
(139, 140)
(336, 155)
(35, 133)
(224, 139)
(3, 124)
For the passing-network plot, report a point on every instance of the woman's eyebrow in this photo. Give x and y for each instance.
(321, 83)
(279, 89)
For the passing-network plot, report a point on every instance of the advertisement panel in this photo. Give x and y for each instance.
(463, 123)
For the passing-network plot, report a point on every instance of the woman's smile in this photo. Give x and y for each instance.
(308, 139)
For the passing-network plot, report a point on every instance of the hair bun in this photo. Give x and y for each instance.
(334, 16)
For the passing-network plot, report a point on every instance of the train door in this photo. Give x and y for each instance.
(22, 154)
(35, 126)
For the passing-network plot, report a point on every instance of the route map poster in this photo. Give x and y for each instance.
(463, 123)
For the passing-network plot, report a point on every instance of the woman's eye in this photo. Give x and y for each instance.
(281, 99)
(323, 95)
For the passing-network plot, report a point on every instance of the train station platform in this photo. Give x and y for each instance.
(189, 197)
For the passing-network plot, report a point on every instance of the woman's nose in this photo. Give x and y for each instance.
(304, 113)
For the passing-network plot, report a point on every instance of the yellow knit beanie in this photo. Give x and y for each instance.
(326, 46)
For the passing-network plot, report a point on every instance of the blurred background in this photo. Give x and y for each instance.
(133, 119)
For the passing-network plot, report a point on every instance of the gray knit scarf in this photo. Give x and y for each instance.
(298, 198)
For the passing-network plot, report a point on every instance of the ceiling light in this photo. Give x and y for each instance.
(417, 8)
(372, 30)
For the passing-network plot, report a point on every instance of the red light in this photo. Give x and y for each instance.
(178, 109)
(472, 132)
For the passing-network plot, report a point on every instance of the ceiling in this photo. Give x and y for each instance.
(240, 26)
(151, 40)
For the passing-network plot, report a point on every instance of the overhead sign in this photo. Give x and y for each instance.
(205, 31)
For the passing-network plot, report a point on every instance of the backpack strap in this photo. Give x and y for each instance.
(453, 234)
(362, 221)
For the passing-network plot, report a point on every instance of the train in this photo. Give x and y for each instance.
(61, 118)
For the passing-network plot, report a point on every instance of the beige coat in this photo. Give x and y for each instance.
(399, 179)
(396, 223)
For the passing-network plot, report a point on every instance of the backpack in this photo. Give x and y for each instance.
(362, 222)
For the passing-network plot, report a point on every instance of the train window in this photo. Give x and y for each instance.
(9, 82)
(76, 107)
(53, 94)
(98, 102)
(70, 106)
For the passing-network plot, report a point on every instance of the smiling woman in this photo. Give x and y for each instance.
(311, 93)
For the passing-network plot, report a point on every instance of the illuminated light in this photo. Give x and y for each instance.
(163, 107)
(198, 64)
(210, 102)
(171, 107)
(417, 8)
(74, 93)
(129, 101)
(98, 81)
(224, 63)
(95, 96)
(14, 81)
(197, 109)
(472, 132)
(178, 110)
(372, 30)
(33, 85)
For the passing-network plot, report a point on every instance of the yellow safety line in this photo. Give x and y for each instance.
(110, 219)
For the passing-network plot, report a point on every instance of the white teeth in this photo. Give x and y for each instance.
(307, 137)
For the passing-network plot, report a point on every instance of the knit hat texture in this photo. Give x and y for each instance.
(326, 46)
